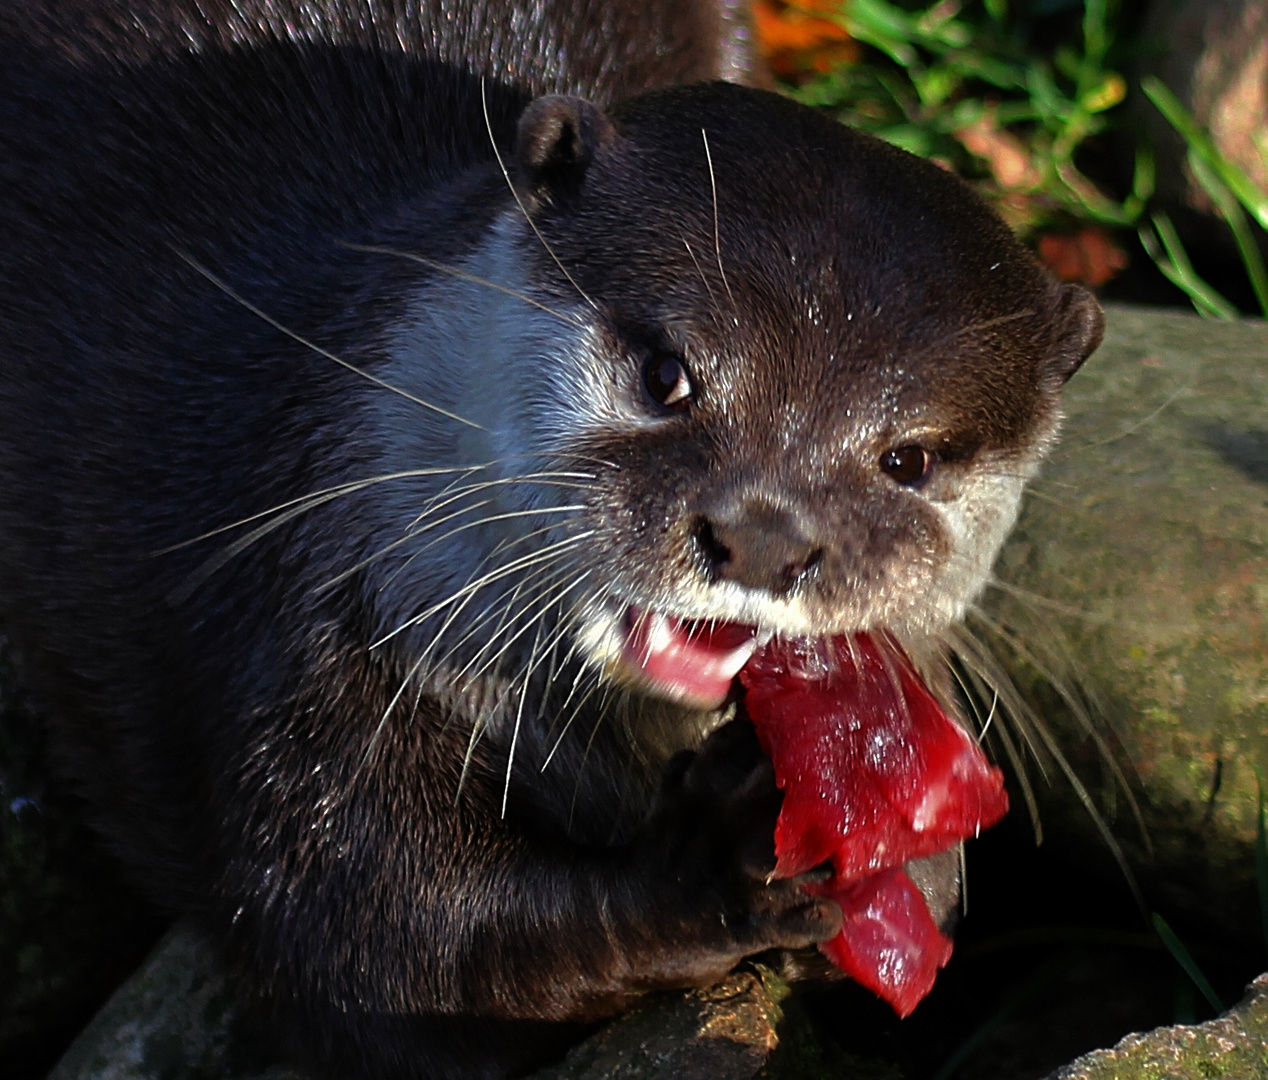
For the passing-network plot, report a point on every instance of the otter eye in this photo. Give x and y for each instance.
(908, 465)
(667, 382)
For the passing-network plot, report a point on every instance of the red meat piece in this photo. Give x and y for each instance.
(874, 774)
(888, 941)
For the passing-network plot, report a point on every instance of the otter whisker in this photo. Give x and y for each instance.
(551, 569)
(1035, 599)
(502, 545)
(466, 525)
(1148, 418)
(497, 708)
(410, 675)
(485, 617)
(570, 586)
(981, 735)
(700, 270)
(277, 517)
(488, 124)
(966, 652)
(506, 544)
(495, 575)
(391, 546)
(215, 561)
(583, 673)
(942, 341)
(463, 275)
(500, 611)
(595, 682)
(475, 675)
(1077, 710)
(717, 235)
(1036, 491)
(451, 494)
(592, 682)
(515, 732)
(575, 618)
(360, 372)
(333, 491)
(987, 324)
(568, 622)
(383, 719)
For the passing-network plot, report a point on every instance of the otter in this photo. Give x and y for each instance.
(389, 393)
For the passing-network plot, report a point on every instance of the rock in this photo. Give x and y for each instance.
(1139, 570)
(1213, 54)
(745, 1027)
(724, 1032)
(176, 1018)
(1234, 1046)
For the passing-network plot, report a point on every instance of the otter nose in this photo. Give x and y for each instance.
(755, 543)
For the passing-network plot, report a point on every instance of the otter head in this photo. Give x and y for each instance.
(798, 377)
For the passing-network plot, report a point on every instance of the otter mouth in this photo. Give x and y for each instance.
(874, 772)
(694, 662)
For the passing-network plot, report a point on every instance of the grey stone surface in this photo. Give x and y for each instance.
(1139, 573)
(723, 1032)
(1231, 1047)
(175, 1019)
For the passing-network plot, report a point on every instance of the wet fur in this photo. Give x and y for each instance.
(445, 856)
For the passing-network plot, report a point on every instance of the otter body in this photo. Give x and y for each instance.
(373, 427)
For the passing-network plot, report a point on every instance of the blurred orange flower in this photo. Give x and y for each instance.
(795, 40)
(1088, 256)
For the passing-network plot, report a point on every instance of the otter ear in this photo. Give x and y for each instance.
(557, 140)
(1078, 325)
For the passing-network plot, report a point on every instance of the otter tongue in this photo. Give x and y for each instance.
(692, 662)
(874, 774)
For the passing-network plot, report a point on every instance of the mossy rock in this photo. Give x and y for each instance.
(1232, 1047)
(1142, 560)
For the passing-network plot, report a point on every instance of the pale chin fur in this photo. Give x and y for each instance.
(459, 338)
(978, 521)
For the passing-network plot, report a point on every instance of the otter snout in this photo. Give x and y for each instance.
(755, 542)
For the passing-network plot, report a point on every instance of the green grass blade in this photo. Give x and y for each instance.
(1145, 175)
(1176, 268)
(1095, 42)
(1142, 184)
(1182, 957)
(884, 27)
(1247, 192)
(1046, 97)
(1261, 859)
(1231, 211)
(1003, 74)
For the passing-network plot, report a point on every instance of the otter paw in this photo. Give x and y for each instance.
(712, 835)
